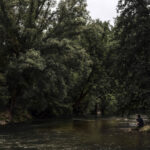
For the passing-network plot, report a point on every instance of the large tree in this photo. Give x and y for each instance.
(132, 33)
(22, 26)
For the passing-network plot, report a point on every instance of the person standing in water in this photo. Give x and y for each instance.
(140, 122)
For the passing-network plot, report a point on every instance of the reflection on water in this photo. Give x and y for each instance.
(77, 134)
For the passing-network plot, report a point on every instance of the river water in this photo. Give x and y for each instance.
(75, 134)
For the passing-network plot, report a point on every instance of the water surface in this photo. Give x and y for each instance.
(75, 134)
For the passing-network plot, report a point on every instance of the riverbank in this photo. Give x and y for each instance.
(146, 128)
(6, 118)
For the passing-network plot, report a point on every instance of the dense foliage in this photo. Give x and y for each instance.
(132, 32)
(58, 61)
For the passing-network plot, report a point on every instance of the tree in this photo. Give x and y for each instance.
(70, 20)
(22, 24)
(96, 86)
(132, 32)
(63, 49)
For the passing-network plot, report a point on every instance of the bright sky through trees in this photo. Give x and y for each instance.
(102, 9)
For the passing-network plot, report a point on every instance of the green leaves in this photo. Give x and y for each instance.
(32, 59)
(59, 62)
(132, 32)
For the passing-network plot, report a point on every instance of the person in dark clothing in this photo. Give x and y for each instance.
(140, 122)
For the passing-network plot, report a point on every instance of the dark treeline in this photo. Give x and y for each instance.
(60, 62)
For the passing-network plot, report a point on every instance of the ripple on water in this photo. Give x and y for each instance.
(74, 135)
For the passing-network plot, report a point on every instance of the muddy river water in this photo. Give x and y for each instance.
(74, 134)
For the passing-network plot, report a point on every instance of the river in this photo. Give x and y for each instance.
(74, 134)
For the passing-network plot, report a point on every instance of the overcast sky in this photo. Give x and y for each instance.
(102, 9)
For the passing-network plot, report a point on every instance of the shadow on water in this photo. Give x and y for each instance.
(76, 134)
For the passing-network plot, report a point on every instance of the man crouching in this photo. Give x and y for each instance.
(140, 122)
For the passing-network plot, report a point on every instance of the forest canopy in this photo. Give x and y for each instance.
(58, 61)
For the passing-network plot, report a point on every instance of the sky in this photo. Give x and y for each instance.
(103, 9)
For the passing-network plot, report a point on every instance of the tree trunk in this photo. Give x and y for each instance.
(12, 103)
(84, 92)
